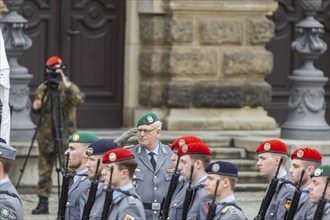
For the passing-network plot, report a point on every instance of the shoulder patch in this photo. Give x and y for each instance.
(4, 212)
(131, 200)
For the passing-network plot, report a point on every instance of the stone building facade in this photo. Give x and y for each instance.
(202, 64)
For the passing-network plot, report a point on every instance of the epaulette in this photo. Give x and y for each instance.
(129, 146)
(10, 194)
(131, 200)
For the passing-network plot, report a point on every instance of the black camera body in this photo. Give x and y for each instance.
(53, 78)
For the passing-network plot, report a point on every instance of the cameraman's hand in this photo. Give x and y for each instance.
(37, 104)
(64, 80)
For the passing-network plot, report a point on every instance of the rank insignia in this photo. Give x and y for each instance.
(287, 203)
(128, 217)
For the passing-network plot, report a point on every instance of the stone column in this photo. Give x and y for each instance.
(16, 42)
(203, 63)
(306, 118)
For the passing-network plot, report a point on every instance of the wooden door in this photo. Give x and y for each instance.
(288, 13)
(89, 36)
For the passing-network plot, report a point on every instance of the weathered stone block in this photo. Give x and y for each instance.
(180, 94)
(153, 93)
(221, 31)
(260, 31)
(248, 61)
(153, 29)
(181, 31)
(257, 94)
(217, 95)
(193, 62)
(153, 62)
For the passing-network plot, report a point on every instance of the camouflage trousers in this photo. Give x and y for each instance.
(46, 162)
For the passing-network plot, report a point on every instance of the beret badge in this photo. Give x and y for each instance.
(317, 172)
(89, 151)
(181, 142)
(184, 148)
(112, 157)
(150, 119)
(300, 153)
(75, 137)
(215, 167)
(267, 146)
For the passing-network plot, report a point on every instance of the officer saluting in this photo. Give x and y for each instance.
(10, 202)
(152, 175)
(225, 173)
(126, 204)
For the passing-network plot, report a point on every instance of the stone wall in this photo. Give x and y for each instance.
(204, 57)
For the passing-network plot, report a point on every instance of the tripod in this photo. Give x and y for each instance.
(52, 95)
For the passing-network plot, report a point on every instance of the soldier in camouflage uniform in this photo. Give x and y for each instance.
(70, 96)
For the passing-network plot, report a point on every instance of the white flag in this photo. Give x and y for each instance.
(4, 92)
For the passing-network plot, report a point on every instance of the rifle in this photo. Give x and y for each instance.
(269, 195)
(296, 199)
(92, 194)
(108, 198)
(188, 196)
(321, 204)
(64, 192)
(163, 214)
(213, 205)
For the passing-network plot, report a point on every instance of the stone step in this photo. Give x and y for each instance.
(250, 177)
(242, 164)
(250, 187)
(227, 153)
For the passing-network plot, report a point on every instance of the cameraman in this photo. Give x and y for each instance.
(70, 96)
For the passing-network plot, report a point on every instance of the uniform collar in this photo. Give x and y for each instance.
(4, 180)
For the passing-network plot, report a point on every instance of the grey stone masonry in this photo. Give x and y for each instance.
(207, 54)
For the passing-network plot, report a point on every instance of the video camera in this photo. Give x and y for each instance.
(53, 78)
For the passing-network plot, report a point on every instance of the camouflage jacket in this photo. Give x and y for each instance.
(68, 99)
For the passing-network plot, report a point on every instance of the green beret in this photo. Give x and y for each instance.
(147, 119)
(323, 170)
(83, 137)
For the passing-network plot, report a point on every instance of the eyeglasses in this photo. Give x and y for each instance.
(145, 131)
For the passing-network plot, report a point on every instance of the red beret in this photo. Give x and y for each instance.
(116, 155)
(178, 143)
(272, 146)
(54, 60)
(194, 148)
(307, 154)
